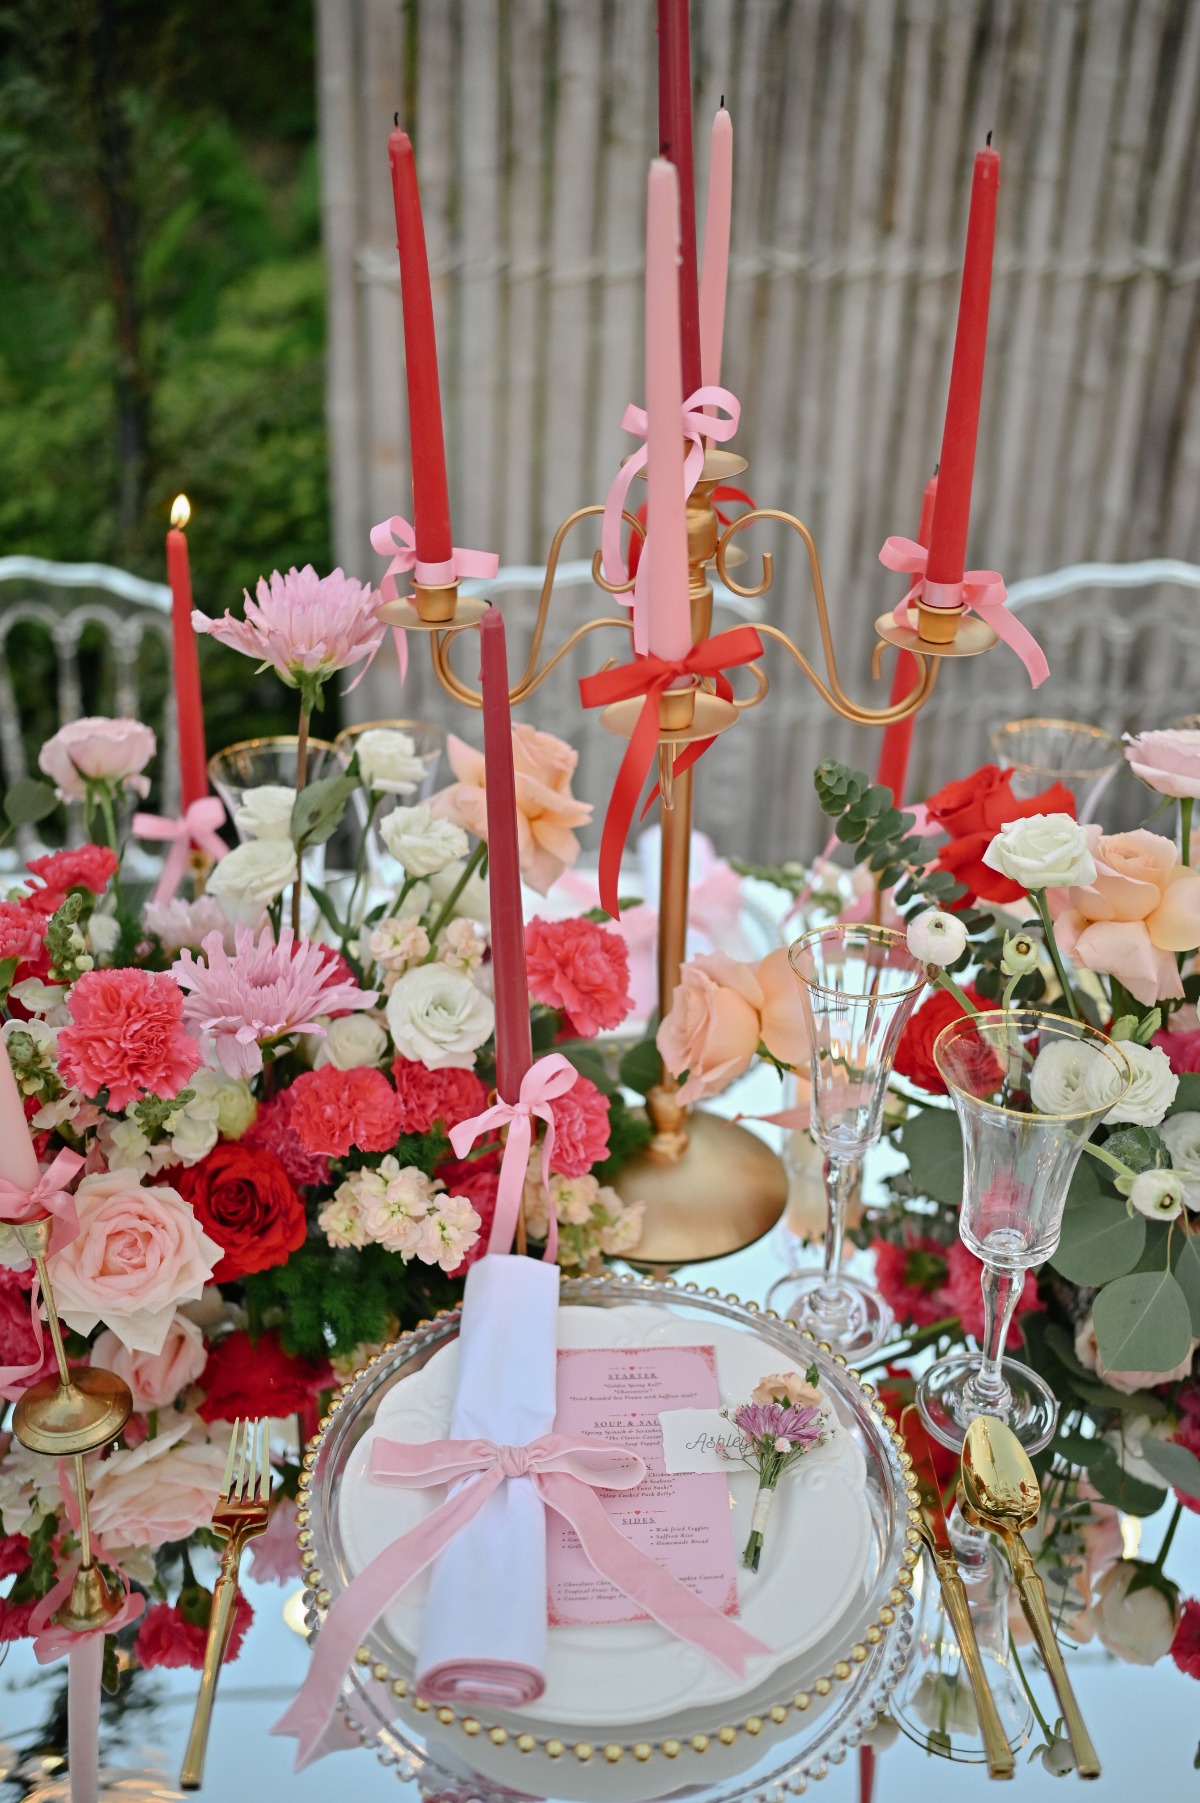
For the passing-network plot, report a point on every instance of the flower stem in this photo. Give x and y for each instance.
(1165, 1548)
(1042, 1723)
(1038, 897)
(447, 908)
(1108, 1158)
(301, 780)
(925, 1336)
(1185, 828)
(964, 1001)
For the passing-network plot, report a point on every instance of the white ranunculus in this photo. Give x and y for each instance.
(1181, 1133)
(351, 1040)
(936, 937)
(1151, 1092)
(248, 878)
(475, 902)
(47, 999)
(266, 812)
(1157, 1194)
(1043, 851)
(1137, 1628)
(421, 841)
(388, 761)
(439, 1017)
(195, 1128)
(1067, 1076)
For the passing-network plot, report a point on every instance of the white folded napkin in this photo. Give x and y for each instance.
(483, 1638)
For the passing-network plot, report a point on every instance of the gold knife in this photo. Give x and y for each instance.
(936, 1535)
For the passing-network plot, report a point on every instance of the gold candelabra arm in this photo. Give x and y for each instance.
(830, 690)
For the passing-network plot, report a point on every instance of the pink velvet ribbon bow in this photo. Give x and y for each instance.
(566, 1471)
(542, 1083)
(697, 426)
(49, 1196)
(199, 825)
(397, 540)
(982, 591)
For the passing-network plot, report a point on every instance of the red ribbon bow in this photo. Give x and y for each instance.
(651, 677)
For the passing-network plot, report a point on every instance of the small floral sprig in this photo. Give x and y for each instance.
(785, 1418)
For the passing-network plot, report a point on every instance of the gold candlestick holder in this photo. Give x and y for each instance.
(65, 1417)
(710, 1186)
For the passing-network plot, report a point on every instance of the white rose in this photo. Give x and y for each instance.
(1148, 1096)
(438, 1017)
(103, 933)
(475, 901)
(1181, 1133)
(351, 1040)
(1137, 1628)
(1157, 1194)
(1068, 1076)
(266, 812)
(249, 877)
(388, 762)
(237, 1109)
(936, 938)
(1128, 1442)
(1043, 851)
(422, 842)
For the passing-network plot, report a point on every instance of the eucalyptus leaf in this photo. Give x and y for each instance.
(29, 801)
(589, 1062)
(1187, 1276)
(641, 1067)
(1180, 1467)
(1187, 1096)
(932, 1143)
(319, 808)
(1114, 1485)
(1100, 1240)
(1141, 1148)
(1143, 1323)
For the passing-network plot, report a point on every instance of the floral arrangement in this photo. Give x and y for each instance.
(261, 1079)
(785, 1418)
(1014, 903)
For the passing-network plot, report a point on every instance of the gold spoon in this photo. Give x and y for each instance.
(999, 1491)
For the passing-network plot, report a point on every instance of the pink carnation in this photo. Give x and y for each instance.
(426, 1096)
(334, 1110)
(580, 1129)
(272, 1131)
(1182, 1049)
(126, 1036)
(86, 867)
(166, 1637)
(14, 1555)
(965, 1297)
(14, 1618)
(580, 968)
(22, 929)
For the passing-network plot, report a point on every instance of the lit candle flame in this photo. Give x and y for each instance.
(181, 511)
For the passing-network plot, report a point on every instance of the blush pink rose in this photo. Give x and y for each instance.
(783, 1028)
(1168, 762)
(1087, 1351)
(97, 749)
(162, 1490)
(547, 812)
(155, 1378)
(1142, 907)
(139, 1253)
(714, 1024)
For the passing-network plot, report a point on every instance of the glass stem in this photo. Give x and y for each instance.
(1001, 1289)
(841, 1185)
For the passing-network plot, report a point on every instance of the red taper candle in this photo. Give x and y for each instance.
(897, 738)
(427, 450)
(189, 708)
(948, 533)
(675, 143)
(514, 1047)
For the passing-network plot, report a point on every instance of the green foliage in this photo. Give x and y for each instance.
(629, 1132)
(356, 1295)
(29, 801)
(931, 1140)
(1180, 1467)
(317, 810)
(1143, 1322)
(641, 1067)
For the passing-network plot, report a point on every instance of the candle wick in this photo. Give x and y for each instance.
(396, 123)
(989, 140)
(722, 103)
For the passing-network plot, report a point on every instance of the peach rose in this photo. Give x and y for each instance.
(546, 809)
(1087, 1351)
(97, 750)
(140, 1252)
(156, 1378)
(714, 1024)
(787, 1386)
(784, 1031)
(1142, 907)
(162, 1490)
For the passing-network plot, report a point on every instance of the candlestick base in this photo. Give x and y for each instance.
(711, 716)
(971, 636)
(90, 1604)
(468, 611)
(61, 1419)
(722, 1191)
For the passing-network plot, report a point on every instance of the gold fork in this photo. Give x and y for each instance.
(243, 1507)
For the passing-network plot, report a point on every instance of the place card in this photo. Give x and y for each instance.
(702, 1440)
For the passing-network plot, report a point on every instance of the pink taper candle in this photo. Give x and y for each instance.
(18, 1160)
(514, 1050)
(669, 625)
(714, 270)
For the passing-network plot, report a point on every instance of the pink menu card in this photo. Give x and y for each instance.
(683, 1520)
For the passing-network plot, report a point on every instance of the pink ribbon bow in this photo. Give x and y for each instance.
(49, 1196)
(697, 426)
(548, 1078)
(396, 539)
(982, 591)
(566, 1471)
(199, 824)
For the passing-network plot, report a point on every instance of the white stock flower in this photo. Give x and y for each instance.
(48, 999)
(1148, 1096)
(1157, 1194)
(103, 932)
(393, 1207)
(1181, 1133)
(936, 937)
(351, 1040)
(475, 901)
(438, 1017)
(421, 841)
(1137, 1628)
(397, 942)
(266, 812)
(448, 1232)
(251, 876)
(340, 1220)
(460, 946)
(1067, 1076)
(388, 761)
(1043, 851)
(195, 1128)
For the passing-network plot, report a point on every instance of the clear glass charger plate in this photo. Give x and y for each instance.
(809, 1714)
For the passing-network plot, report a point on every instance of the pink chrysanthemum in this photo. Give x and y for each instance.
(126, 1035)
(304, 625)
(779, 1421)
(237, 1005)
(333, 1110)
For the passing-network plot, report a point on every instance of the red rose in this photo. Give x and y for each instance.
(247, 1378)
(426, 1096)
(972, 811)
(86, 867)
(1185, 1648)
(963, 1294)
(245, 1200)
(914, 1054)
(166, 1637)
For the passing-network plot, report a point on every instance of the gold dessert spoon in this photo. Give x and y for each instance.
(1000, 1491)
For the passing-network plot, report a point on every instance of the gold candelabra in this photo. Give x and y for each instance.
(710, 1186)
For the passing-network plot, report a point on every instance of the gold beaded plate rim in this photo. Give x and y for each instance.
(552, 1746)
